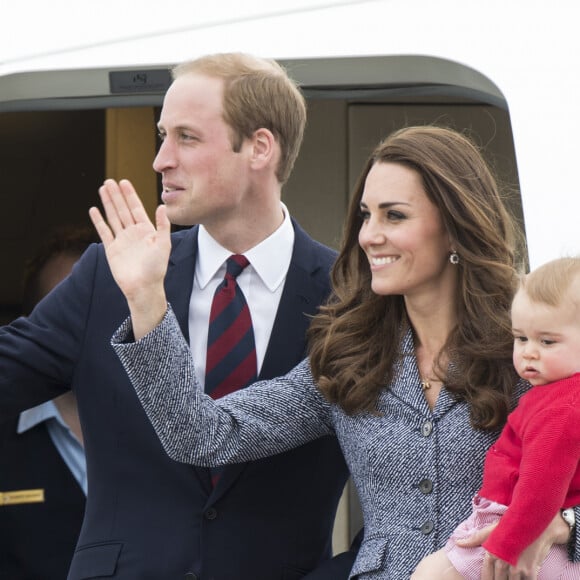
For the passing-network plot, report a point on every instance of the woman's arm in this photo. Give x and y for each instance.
(272, 417)
(264, 419)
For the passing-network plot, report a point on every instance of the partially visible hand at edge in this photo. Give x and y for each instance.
(531, 558)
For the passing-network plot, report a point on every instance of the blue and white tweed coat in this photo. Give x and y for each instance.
(415, 469)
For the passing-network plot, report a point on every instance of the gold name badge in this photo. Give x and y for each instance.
(21, 496)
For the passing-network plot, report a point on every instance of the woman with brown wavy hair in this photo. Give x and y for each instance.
(352, 354)
(410, 361)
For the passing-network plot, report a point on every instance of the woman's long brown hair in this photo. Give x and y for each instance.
(355, 339)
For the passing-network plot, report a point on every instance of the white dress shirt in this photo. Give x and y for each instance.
(262, 283)
(65, 441)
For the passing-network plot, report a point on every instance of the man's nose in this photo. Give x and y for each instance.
(165, 157)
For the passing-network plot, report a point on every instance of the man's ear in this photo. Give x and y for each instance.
(264, 147)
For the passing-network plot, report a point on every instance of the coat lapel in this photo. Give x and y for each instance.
(406, 385)
(179, 278)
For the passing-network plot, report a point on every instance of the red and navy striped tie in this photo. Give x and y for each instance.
(231, 350)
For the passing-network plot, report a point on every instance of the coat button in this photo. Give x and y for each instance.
(425, 486)
(427, 528)
(211, 514)
(427, 428)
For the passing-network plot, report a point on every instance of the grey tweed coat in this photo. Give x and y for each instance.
(415, 469)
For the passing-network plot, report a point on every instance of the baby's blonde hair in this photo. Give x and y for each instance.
(554, 282)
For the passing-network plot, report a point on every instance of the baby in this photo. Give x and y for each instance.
(533, 469)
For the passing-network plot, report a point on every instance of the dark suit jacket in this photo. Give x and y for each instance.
(37, 540)
(147, 517)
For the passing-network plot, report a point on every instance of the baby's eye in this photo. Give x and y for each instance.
(520, 338)
(548, 342)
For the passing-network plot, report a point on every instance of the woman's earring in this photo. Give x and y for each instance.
(454, 258)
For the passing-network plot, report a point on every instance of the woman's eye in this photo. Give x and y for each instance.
(363, 215)
(396, 215)
(161, 136)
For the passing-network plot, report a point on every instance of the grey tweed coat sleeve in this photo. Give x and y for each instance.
(194, 428)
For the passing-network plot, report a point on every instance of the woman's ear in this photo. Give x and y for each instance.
(452, 243)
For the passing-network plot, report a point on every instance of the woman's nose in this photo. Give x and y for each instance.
(371, 234)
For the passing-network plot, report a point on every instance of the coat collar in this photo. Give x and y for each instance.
(406, 384)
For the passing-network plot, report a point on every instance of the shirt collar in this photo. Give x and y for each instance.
(39, 414)
(211, 255)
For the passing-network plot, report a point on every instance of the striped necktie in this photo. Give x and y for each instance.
(231, 351)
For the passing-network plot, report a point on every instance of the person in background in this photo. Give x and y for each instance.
(409, 362)
(43, 482)
(231, 127)
(532, 471)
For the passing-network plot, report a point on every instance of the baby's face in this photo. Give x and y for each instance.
(546, 340)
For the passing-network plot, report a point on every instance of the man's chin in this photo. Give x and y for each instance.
(178, 220)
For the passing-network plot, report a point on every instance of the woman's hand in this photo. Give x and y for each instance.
(530, 561)
(137, 251)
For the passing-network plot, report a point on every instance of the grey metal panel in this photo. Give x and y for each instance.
(353, 78)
